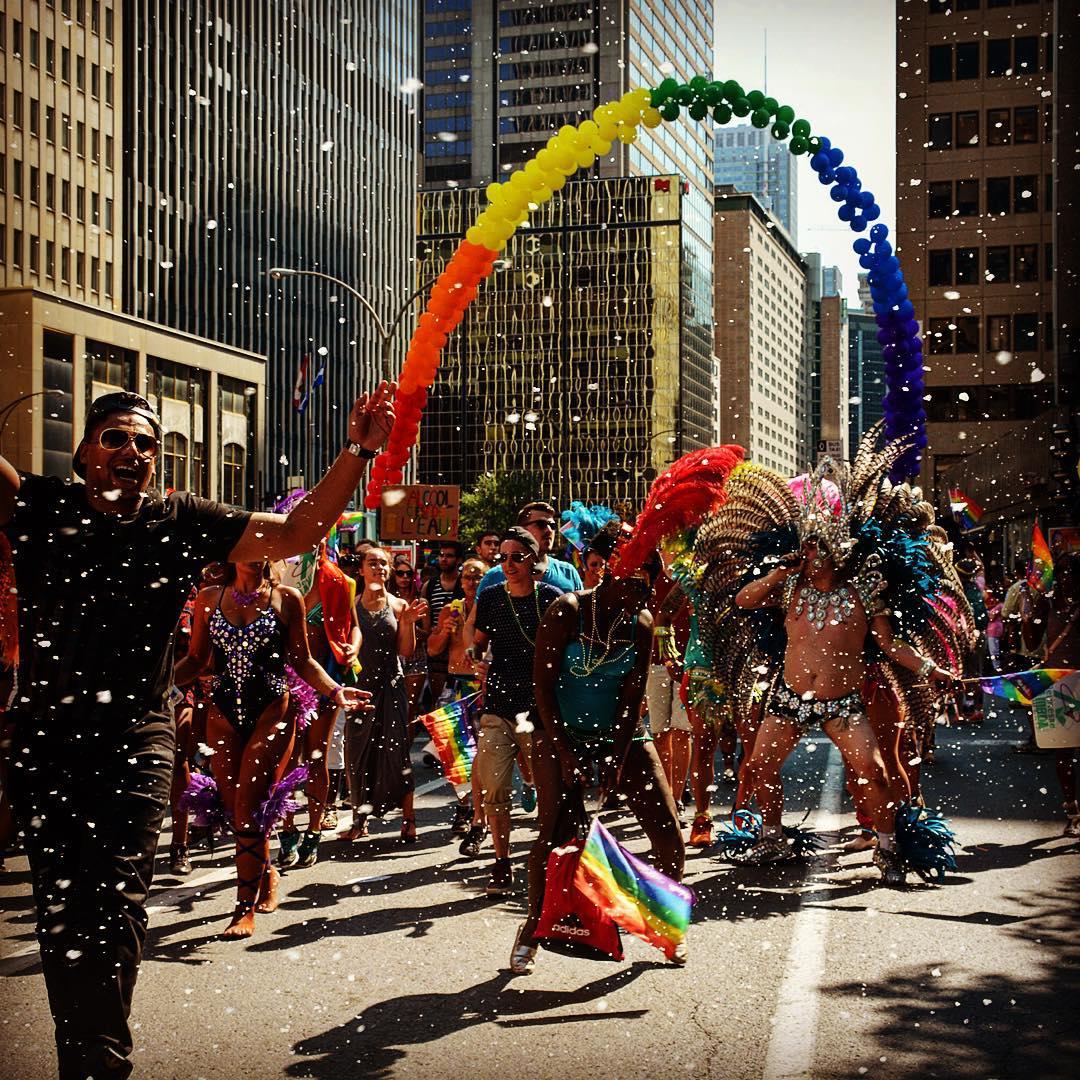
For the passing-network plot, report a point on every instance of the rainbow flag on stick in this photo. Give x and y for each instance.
(641, 900)
(966, 511)
(1041, 571)
(452, 734)
(1023, 686)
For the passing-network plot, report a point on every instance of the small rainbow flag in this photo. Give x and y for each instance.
(453, 737)
(1023, 686)
(966, 511)
(1041, 570)
(640, 899)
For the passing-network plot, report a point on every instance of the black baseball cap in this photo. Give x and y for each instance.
(520, 535)
(120, 401)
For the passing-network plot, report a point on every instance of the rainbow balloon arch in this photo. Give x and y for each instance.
(573, 148)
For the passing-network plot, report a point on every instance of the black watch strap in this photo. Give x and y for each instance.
(357, 450)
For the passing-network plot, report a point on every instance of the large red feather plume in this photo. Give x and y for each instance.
(679, 499)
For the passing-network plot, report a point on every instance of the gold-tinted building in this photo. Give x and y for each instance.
(587, 357)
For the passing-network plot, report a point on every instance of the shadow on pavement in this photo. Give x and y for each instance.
(373, 1043)
(1009, 1024)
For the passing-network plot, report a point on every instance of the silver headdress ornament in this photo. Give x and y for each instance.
(825, 515)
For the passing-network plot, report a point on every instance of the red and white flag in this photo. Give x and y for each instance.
(300, 389)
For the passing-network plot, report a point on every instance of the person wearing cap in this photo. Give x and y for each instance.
(506, 619)
(540, 520)
(104, 568)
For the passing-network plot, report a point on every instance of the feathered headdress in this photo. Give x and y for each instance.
(581, 523)
(679, 499)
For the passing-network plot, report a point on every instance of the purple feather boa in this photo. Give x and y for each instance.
(303, 701)
(202, 802)
(280, 801)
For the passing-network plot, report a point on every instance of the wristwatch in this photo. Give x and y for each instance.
(357, 450)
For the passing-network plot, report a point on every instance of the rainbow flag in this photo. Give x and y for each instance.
(1023, 686)
(966, 511)
(453, 737)
(641, 900)
(1041, 569)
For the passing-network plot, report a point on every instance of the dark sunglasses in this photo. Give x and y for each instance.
(544, 523)
(403, 573)
(514, 556)
(114, 438)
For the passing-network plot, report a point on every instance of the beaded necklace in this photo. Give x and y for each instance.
(513, 611)
(818, 605)
(590, 661)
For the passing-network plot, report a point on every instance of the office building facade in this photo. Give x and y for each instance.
(986, 95)
(580, 358)
(751, 161)
(760, 337)
(825, 417)
(866, 377)
(263, 136)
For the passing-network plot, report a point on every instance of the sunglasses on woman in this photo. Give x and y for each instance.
(114, 438)
(513, 556)
(403, 573)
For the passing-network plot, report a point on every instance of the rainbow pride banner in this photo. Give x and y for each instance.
(452, 734)
(966, 511)
(638, 897)
(1041, 570)
(1023, 686)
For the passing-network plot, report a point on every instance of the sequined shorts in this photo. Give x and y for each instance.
(808, 711)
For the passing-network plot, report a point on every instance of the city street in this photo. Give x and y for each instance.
(386, 960)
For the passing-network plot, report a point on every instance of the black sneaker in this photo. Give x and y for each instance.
(179, 862)
(473, 842)
(891, 864)
(462, 819)
(501, 882)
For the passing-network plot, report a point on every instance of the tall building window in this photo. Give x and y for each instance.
(967, 333)
(65, 63)
(109, 279)
(998, 57)
(80, 203)
(997, 194)
(80, 138)
(50, 191)
(65, 131)
(95, 145)
(108, 24)
(95, 208)
(35, 183)
(967, 266)
(939, 132)
(940, 63)
(232, 474)
(50, 124)
(108, 215)
(16, 248)
(1026, 124)
(1025, 194)
(967, 60)
(941, 262)
(997, 127)
(108, 87)
(16, 178)
(1026, 262)
(997, 264)
(95, 80)
(3, 173)
(35, 117)
(95, 264)
(50, 259)
(16, 109)
(1025, 55)
(1026, 333)
(939, 197)
(174, 462)
(80, 72)
(941, 336)
(998, 333)
(80, 269)
(35, 254)
(65, 197)
(967, 129)
(50, 56)
(65, 265)
(35, 45)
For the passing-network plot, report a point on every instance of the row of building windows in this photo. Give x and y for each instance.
(546, 69)
(560, 94)
(545, 14)
(433, 7)
(66, 67)
(460, 99)
(553, 39)
(79, 128)
(447, 52)
(1004, 127)
(447, 28)
(100, 209)
(461, 148)
(1004, 56)
(433, 124)
(947, 7)
(61, 264)
(979, 402)
(1004, 264)
(1004, 195)
(1004, 333)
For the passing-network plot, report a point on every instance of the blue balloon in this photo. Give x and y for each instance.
(856, 184)
(880, 307)
(883, 247)
(826, 143)
(866, 261)
(845, 174)
(861, 246)
(866, 199)
(845, 213)
(838, 193)
(827, 177)
(858, 224)
(820, 161)
(872, 212)
(879, 232)
(907, 310)
(891, 264)
(853, 197)
(836, 155)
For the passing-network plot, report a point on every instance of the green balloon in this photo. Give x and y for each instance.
(656, 97)
(670, 111)
(760, 118)
(771, 104)
(699, 110)
(813, 144)
(785, 114)
(732, 90)
(780, 130)
(797, 145)
(684, 95)
(712, 94)
(740, 106)
(756, 99)
(801, 128)
(699, 82)
(668, 87)
(722, 113)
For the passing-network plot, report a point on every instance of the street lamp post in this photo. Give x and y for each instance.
(9, 408)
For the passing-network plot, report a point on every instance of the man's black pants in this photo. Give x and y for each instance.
(91, 831)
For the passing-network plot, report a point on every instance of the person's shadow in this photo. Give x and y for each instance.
(371, 1044)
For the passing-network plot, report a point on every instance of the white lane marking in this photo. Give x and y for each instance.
(794, 1024)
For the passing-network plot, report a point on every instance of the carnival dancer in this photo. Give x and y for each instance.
(377, 743)
(112, 561)
(334, 639)
(506, 619)
(592, 660)
(255, 627)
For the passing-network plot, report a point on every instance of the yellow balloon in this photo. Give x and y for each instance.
(533, 171)
(627, 135)
(519, 180)
(543, 159)
(601, 147)
(475, 235)
(542, 194)
(568, 132)
(640, 96)
(607, 129)
(557, 181)
(652, 118)
(494, 191)
(565, 161)
(588, 129)
(585, 158)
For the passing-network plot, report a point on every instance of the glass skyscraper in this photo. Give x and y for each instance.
(751, 161)
(866, 377)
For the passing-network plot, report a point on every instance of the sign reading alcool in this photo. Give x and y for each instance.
(420, 512)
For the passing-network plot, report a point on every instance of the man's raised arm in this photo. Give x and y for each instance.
(277, 536)
(9, 489)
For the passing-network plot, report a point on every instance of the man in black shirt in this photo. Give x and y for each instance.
(507, 617)
(439, 591)
(102, 570)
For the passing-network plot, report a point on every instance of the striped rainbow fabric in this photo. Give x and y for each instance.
(639, 898)
(1041, 572)
(1023, 686)
(452, 734)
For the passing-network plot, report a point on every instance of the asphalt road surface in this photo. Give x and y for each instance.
(386, 960)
